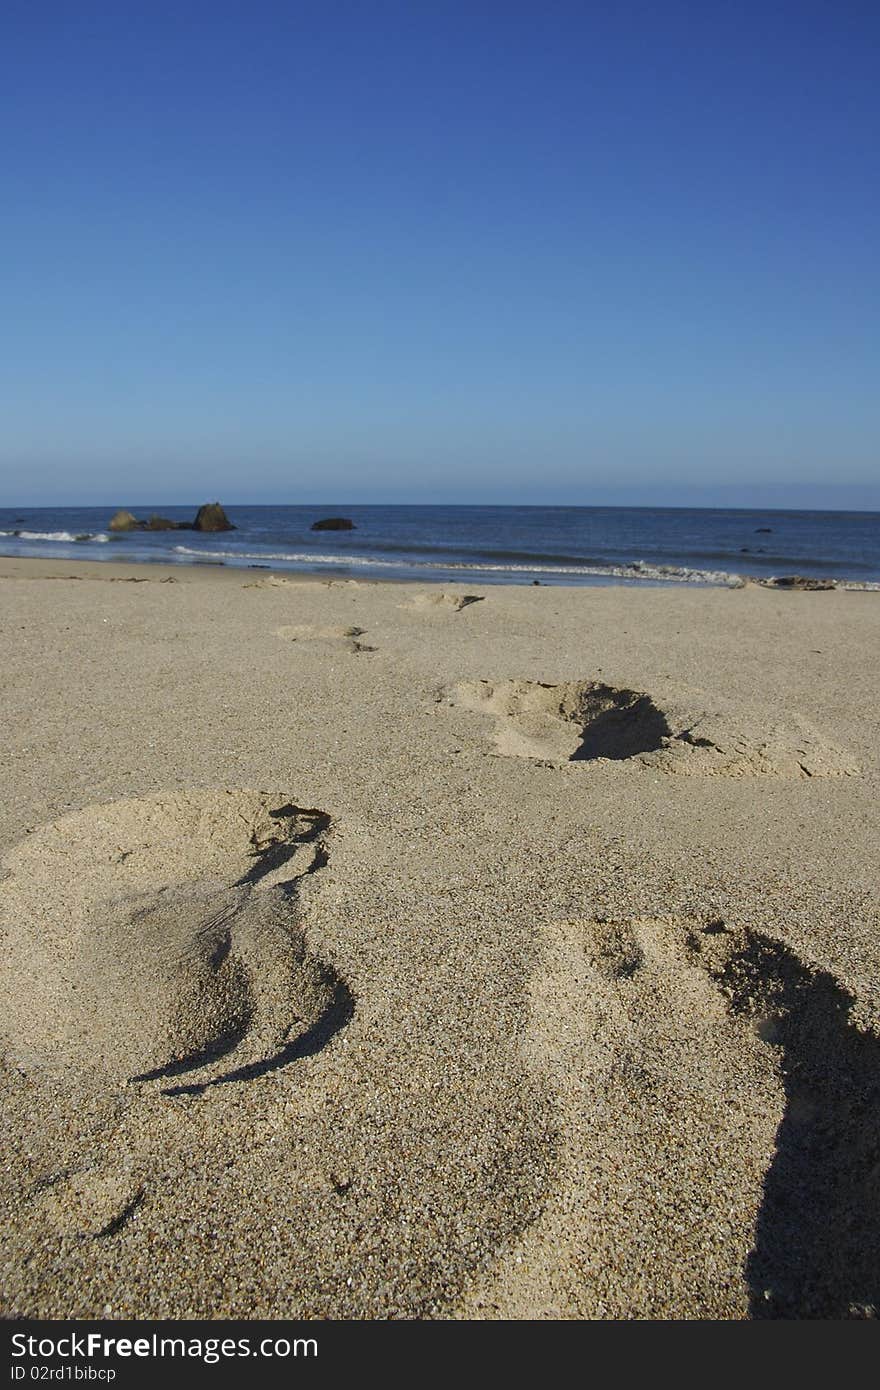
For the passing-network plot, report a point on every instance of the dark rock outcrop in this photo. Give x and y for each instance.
(211, 517)
(334, 523)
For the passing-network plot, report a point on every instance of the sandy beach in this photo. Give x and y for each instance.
(380, 950)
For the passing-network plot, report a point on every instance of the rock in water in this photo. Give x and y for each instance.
(211, 517)
(334, 523)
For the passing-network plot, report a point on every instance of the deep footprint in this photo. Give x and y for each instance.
(575, 721)
(173, 944)
(589, 721)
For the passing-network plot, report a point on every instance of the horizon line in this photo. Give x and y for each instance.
(473, 506)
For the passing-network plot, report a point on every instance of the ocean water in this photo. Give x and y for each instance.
(562, 545)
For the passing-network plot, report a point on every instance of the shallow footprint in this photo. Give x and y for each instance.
(437, 602)
(152, 937)
(666, 1109)
(346, 637)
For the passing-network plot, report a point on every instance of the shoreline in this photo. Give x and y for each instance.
(15, 566)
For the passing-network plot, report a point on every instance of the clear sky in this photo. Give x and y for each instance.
(484, 251)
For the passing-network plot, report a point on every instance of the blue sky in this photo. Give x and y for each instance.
(553, 252)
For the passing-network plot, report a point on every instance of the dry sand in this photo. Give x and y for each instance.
(369, 953)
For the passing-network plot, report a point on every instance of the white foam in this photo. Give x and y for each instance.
(637, 570)
(66, 537)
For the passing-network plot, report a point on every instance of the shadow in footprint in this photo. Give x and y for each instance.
(571, 721)
(817, 1240)
(337, 1015)
(273, 856)
(618, 724)
(220, 1047)
(198, 959)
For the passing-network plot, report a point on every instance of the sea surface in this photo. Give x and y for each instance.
(554, 545)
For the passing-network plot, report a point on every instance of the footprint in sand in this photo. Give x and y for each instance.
(269, 581)
(159, 938)
(345, 637)
(278, 581)
(718, 1108)
(439, 602)
(589, 721)
(153, 949)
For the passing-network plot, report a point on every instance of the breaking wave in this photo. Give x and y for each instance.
(638, 569)
(66, 537)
